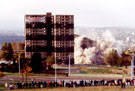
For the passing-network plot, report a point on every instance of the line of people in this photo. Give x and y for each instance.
(75, 83)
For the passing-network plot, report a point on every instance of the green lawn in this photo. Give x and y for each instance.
(100, 70)
(1, 87)
(83, 70)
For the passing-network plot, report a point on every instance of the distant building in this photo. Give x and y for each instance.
(49, 34)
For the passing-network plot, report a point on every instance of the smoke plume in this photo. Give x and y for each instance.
(91, 50)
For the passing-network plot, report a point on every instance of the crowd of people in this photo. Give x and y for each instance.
(76, 83)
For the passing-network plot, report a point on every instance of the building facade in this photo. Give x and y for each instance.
(50, 35)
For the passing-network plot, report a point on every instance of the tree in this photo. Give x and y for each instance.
(14, 46)
(3, 55)
(126, 59)
(36, 63)
(4, 46)
(21, 45)
(6, 51)
(112, 58)
(21, 58)
(10, 51)
(50, 60)
(26, 70)
(119, 61)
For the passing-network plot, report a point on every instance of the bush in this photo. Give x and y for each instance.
(83, 72)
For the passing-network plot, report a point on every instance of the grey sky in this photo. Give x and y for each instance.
(88, 13)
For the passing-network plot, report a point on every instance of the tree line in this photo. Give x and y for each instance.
(114, 59)
(7, 53)
(111, 58)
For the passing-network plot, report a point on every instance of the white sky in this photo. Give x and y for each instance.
(88, 13)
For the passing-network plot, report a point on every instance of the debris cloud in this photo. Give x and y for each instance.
(91, 49)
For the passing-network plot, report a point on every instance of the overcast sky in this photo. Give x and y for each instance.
(87, 13)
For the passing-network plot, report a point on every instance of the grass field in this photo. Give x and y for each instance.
(100, 88)
(101, 70)
(2, 88)
(83, 70)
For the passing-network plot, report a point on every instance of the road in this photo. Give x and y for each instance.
(12, 78)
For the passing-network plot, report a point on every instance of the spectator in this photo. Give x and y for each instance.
(6, 86)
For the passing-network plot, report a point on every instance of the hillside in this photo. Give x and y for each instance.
(10, 38)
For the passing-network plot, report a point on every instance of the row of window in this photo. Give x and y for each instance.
(64, 32)
(45, 56)
(52, 33)
(44, 29)
(58, 55)
(29, 54)
(64, 44)
(45, 44)
(39, 37)
(65, 54)
(64, 16)
(65, 20)
(39, 18)
(44, 17)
